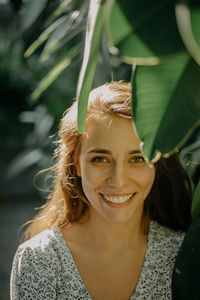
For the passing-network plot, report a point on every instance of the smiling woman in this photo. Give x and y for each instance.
(113, 225)
(113, 173)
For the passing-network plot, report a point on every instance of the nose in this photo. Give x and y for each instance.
(118, 176)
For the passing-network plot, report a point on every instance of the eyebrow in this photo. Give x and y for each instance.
(105, 151)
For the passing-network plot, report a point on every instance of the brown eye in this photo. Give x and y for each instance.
(99, 159)
(137, 159)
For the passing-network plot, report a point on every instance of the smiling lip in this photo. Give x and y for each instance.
(118, 205)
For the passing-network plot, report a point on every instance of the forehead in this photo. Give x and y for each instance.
(111, 132)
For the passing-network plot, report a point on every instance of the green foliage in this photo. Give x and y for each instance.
(166, 76)
(188, 22)
(61, 41)
(196, 203)
(143, 29)
(27, 139)
(54, 73)
(166, 108)
(190, 157)
(93, 35)
(43, 37)
(31, 10)
(36, 142)
(186, 271)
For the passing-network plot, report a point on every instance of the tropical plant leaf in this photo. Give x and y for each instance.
(166, 106)
(190, 157)
(32, 10)
(143, 30)
(195, 19)
(59, 11)
(56, 37)
(59, 39)
(73, 25)
(183, 17)
(185, 283)
(92, 41)
(43, 37)
(54, 73)
(196, 203)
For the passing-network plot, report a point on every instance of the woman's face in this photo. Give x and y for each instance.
(115, 177)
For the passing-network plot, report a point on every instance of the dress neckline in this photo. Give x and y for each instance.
(60, 237)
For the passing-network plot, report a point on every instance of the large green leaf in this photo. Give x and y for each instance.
(188, 21)
(92, 41)
(185, 283)
(166, 103)
(143, 29)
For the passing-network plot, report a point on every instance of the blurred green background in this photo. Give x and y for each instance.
(26, 126)
(35, 90)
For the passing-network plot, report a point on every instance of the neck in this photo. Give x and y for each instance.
(115, 236)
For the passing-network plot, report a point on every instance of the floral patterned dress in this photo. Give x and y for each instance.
(43, 268)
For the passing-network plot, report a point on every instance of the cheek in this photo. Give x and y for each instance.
(145, 177)
(90, 176)
(149, 178)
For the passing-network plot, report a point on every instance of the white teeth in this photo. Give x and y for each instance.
(118, 199)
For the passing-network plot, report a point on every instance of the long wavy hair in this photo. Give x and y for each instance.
(169, 201)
